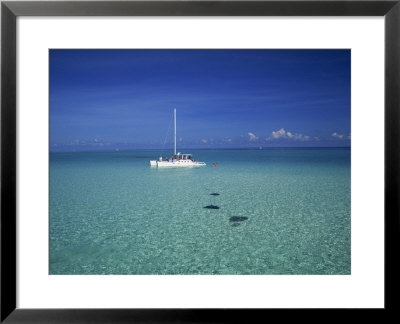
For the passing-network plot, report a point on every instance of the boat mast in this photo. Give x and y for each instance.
(174, 131)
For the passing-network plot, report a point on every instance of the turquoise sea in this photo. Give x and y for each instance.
(274, 211)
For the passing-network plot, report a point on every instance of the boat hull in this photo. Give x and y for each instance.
(176, 164)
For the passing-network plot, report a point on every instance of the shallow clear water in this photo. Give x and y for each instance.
(110, 213)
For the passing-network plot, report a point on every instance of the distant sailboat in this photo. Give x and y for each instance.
(178, 159)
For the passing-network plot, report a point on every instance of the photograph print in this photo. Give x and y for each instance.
(200, 162)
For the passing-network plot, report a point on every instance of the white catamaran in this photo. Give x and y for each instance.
(178, 159)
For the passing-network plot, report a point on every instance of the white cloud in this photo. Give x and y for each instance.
(204, 140)
(94, 142)
(278, 134)
(282, 134)
(336, 135)
(253, 137)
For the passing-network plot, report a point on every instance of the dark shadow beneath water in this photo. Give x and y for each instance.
(238, 218)
(214, 194)
(211, 207)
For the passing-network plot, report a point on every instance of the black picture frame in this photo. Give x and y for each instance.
(10, 10)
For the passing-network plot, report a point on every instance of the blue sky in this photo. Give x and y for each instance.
(107, 99)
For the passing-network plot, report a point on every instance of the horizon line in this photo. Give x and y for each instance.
(219, 148)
